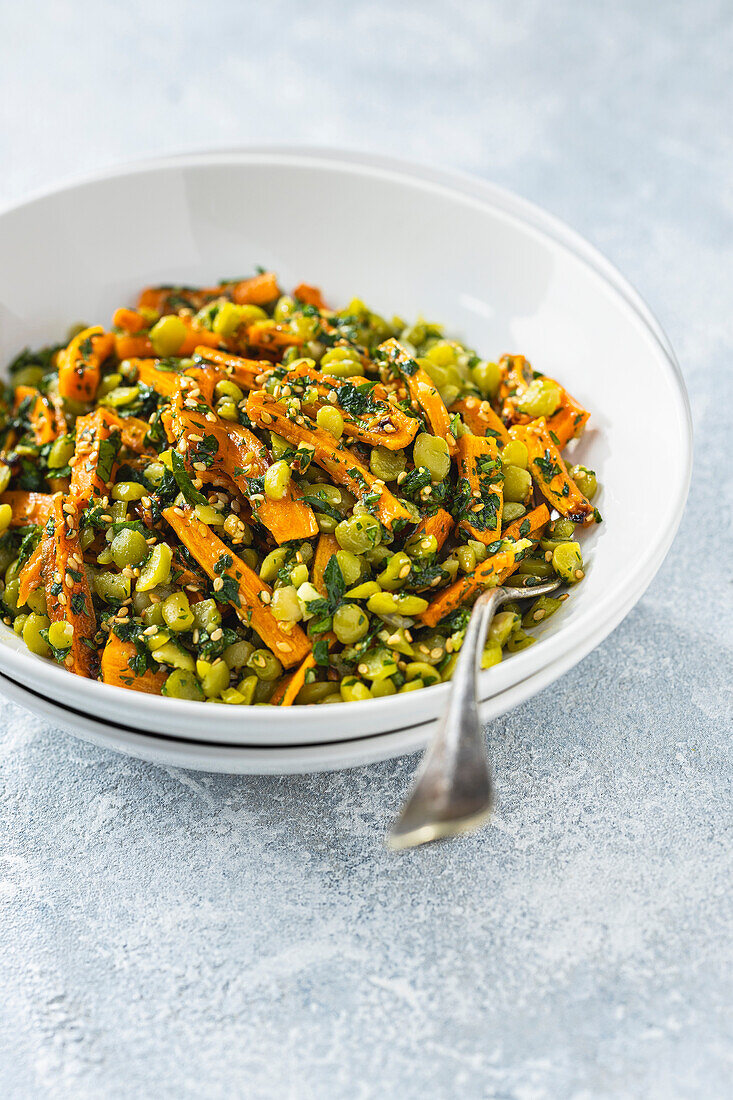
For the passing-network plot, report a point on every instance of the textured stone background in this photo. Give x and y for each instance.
(177, 935)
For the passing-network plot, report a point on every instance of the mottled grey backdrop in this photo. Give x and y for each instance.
(177, 935)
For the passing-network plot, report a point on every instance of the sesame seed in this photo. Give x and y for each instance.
(539, 614)
(265, 597)
(218, 584)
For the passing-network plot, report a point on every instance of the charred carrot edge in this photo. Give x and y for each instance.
(326, 548)
(115, 668)
(252, 597)
(493, 571)
(440, 525)
(244, 372)
(80, 363)
(422, 390)
(94, 463)
(41, 415)
(387, 427)
(551, 474)
(68, 596)
(333, 457)
(480, 418)
(33, 573)
(287, 690)
(311, 295)
(237, 449)
(471, 449)
(28, 508)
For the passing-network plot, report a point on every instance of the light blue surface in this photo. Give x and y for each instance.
(177, 935)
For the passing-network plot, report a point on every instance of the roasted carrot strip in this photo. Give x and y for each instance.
(480, 418)
(568, 420)
(380, 424)
(68, 596)
(28, 508)
(129, 320)
(270, 335)
(244, 372)
(551, 474)
(116, 670)
(440, 525)
(238, 585)
(478, 463)
(257, 291)
(40, 413)
(33, 573)
(421, 389)
(333, 457)
(286, 692)
(311, 295)
(95, 457)
(80, 363)
(326, 548)
(491, 572)
(232, 450)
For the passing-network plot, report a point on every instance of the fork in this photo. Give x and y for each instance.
(453, 792)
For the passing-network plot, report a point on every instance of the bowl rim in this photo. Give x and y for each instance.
(460, 185)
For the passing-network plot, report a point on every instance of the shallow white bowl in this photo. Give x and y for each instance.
(498, 272)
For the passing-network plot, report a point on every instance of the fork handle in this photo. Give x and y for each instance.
(453, 791)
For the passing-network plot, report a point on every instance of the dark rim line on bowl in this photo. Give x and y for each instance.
(460, 185)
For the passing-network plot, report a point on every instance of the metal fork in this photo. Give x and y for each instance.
(453, 792)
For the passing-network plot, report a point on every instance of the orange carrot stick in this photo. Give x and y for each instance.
(331, 455)
(40, 413)
(440, 525)
(257, 291)
(244, 372)
(116, 670)
(311, 295)
(95, 457)
(326, 548)
(68, 596)
(227, 448)
(80, 363)
(238, 585)
(28, 508)
(421, 388)
(478, 463)
(491, 572)
(286, 692)
(550, 472)
(480, 418)
(566, 423)
(33, 573)
(380, 424)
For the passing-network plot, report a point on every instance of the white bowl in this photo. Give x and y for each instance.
(496, 271)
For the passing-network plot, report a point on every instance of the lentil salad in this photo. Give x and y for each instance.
(245, 497)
